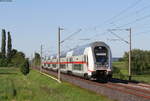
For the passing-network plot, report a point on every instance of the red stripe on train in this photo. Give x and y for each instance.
(77, 62)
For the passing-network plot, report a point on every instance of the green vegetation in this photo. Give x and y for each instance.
(143, 78)
(121, 72)
(140, 61)
(37, 87)
(11, 58)
(17, 58)
(3, 47)
(9, 47)
(25, 67)
(140, 66)
(36, 60)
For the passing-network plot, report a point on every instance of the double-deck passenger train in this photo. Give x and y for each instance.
(91, 61)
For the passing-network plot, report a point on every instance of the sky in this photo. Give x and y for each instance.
(36, 22)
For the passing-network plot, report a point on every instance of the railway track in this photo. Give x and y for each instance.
(132, 90)
(132, 83)
(144, 85)
(116, 91)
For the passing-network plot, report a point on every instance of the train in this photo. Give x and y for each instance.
(90, 61)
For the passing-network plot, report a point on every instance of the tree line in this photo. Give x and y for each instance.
(140, 63)
(12, 57)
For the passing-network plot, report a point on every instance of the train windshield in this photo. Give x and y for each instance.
(101, 54)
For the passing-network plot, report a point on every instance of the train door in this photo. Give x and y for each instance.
(69, 65)
(85, 65)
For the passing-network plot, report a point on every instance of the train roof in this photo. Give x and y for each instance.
(80, 49)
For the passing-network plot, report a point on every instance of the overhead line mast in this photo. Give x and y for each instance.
(41, 51)
(58, 54)
(130, 46)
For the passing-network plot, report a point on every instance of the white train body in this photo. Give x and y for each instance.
(88, 61)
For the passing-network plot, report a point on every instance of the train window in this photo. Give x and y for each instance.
(70, 59)
(54, 65)
(48, 65)
(78, 67)
(101, 54)
(63, 66)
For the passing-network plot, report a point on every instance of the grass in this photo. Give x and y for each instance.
(122, 67)
(121, 72)
(36, 87)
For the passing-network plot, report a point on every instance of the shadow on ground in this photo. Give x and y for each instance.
(115, 80)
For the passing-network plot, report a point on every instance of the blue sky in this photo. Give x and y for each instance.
(35, 22)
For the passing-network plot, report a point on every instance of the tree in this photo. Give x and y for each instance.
(9, 47)
(0, 55)
(17, 59)
(3, 47)
(13, 57)
(25, 67)
(140, 63)
(13, 52)
(37, 59)
(3, 61)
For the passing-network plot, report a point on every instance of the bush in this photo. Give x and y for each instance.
(140, 61)
(17, 59)
(25, 67)
(3, 62)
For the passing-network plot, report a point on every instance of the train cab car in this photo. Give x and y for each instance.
(102, 67)
(95, 61)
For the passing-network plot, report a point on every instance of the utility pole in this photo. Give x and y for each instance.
(130, 46)
(59, 30)
(41, 50)
(130, 53)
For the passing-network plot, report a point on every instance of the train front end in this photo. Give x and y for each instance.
(102, 62)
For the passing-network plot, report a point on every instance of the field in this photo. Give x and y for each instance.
(36, 87)
(121, 72)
